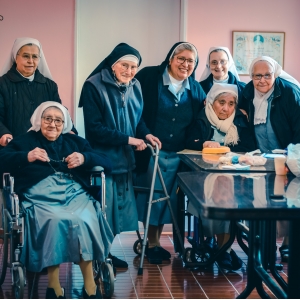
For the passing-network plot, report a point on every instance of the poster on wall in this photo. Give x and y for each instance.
(247, 45)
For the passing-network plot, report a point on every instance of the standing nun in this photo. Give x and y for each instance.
(112, 106)
(220, 68)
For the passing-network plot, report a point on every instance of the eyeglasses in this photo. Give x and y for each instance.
(27, 57)
(125, 67)
(223, 62)
(182, 60)
(49, 120)
(260, 76)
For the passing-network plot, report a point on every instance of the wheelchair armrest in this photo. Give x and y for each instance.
(97, 169)
(97, 176)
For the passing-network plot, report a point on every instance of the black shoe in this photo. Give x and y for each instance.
(211, 242)
(165, 255)
(50, 294)
(154, 255)
(284, 253)
(97, 294)
(118, 263)
(236, 262)
(225, 261)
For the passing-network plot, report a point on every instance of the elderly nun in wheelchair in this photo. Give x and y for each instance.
(64, 223)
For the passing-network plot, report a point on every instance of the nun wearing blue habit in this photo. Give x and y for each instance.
(63, 222)
(112, 107)
(172, 101)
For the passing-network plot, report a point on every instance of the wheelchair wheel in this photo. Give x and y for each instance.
(202, 254)
(108, 279)
(4, 240)
(19, 282)
(96, 269)
(137, 247)
(187, 255)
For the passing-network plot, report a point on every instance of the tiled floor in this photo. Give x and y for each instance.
(169, 280)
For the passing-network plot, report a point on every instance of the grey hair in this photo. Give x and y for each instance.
(218, 50)
(29, 44)
(53, 107)
(226, 93)
(185, 46)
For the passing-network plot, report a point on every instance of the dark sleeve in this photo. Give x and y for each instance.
(14, 157)
(142, 129)
(3, 128)
(246, 141)
(195, 139)
(94, 115)
(294, 109)
(93, 158)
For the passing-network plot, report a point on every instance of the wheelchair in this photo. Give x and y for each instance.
(12, 238)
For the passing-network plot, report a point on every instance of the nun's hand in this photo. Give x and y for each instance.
(5, 138)
(211, 144)
(138, 143)
(153, 139)
(74, 160)
(37, 154)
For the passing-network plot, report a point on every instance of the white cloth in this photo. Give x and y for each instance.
(177, 84)
(36, 118)
(128, 57)
(260, 101)
(19, 43)
(226, 125)
(230, 64)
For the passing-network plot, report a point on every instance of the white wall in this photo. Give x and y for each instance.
(151, 26)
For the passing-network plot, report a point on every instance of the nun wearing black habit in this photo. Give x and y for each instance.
(63, 222)
(172, 100)
(112, 104)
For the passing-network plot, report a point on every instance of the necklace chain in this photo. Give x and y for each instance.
(62, 160)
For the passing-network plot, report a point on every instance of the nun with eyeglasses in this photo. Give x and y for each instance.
(64, 222)
(220, 68)
(272, 101)
(25, 82)
(112, 104)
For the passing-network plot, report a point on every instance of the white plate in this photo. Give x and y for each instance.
(279, 151)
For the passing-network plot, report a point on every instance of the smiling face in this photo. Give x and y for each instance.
(124, 70)
(27, 59)
(263, 68)
(224, 105)
(181, 70)
(49, 130)
(218, 63)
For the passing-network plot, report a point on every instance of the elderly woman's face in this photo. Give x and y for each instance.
(52, 123)
(125, 70)
(27, 59)
(182, 65)
(224, 106)
(261, 70)
(218, 63)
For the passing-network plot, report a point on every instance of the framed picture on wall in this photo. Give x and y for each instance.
(247, 45)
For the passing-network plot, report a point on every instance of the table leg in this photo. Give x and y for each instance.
(294, 260)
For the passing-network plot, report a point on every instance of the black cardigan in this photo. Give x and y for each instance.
(202, 131)
(14, 159)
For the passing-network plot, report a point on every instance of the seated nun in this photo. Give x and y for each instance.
(63, 222)
(220, 123)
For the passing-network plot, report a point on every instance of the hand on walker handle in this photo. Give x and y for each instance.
(139, 144)
(153, 139)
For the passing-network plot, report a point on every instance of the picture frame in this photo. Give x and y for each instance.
(247, 45)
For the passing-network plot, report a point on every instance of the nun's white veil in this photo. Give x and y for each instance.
(19, 43)
(231, 64)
